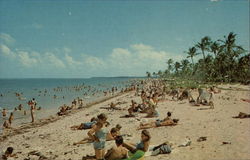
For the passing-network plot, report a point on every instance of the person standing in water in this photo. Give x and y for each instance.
(4, 113)
(32, 105)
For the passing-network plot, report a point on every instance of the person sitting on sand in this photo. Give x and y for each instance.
(86, 125)
(159, 123)
(151, 110)
(114, 132)
(62, 110)
(7, 154)
(132, 109)
(118, 151)
(186, 94)
(98, 134)
(205, 98)
(138, 150)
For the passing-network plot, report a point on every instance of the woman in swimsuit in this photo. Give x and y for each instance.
(142, 145)
(98, 135)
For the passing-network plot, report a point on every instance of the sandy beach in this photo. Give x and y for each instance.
(55, 139)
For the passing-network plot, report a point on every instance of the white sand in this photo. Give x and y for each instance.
(55, 140)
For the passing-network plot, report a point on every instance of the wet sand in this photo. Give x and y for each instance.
(53, 138)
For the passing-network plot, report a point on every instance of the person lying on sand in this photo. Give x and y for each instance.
(242, 115)
(112, 107)
(138, 150)
(86, 125)
(159, 123)
(114, 132)
(118, 151)
(245, 100)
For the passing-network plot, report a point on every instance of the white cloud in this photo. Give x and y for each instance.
(92, 61)
(53, 60)
(6, 38)
(134, 60)
(70, 61)
(214, 0)
(25, 59)
(5, 50)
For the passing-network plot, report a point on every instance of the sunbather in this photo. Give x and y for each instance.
(159, 123)
(114, 132)
(138, 150)
(86, 125)
(242, 115)
(117, 152)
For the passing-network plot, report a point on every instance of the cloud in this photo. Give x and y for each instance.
(6, 38)
(25, 59)
(70, 61)
(5, 50)
(36, 26)
(135, 60)
(214, 0)
(93, 62)
(53, 60)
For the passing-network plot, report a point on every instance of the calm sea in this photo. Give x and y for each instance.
(50, 94)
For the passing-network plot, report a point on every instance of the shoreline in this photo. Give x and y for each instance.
(21, 128)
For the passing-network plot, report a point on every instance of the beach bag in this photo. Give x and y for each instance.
(162, 149)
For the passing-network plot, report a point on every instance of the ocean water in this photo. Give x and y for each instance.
(50, 94)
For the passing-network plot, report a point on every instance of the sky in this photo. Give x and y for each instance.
(81, 39)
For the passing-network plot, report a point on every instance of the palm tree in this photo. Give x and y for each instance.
(230, 47)
(215, 48)
(231, 51)
(177, 65)
(148, 74)
(159, 73)
(191, 53)
(185, 63)
(170, 62)
(204, 45)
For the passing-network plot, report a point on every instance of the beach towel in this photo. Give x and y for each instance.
(138, 155)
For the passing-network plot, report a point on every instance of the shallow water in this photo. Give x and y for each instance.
(50, 94)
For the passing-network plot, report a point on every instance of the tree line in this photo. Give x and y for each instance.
(222, 61)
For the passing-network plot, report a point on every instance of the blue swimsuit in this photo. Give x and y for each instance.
(101, 135)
